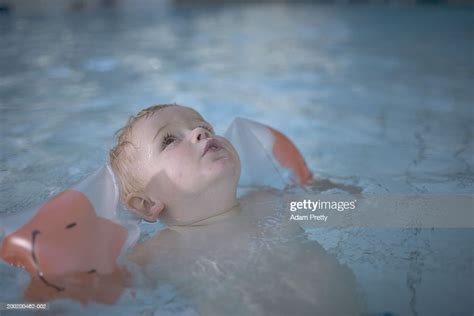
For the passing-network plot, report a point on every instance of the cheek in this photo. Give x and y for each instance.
(180, 165)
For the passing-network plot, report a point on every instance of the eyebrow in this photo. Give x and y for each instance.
(159, 130)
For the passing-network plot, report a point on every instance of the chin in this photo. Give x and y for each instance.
(222, 168)
(226, 168)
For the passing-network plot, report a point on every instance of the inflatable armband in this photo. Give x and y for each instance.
(74, 239)
(267, 156)
(70, 245)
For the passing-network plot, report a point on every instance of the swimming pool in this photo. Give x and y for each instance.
(379, 97)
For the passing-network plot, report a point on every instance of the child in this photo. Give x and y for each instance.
(225, 256)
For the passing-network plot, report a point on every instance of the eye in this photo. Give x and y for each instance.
(167, 140)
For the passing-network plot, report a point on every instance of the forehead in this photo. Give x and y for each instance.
(168, 115)
(177, 113)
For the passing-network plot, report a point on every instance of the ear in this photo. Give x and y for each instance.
(144, 207)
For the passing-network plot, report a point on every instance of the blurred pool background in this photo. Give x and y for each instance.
(378, 96)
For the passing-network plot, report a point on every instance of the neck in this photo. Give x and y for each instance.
(201, 207)
(211, 219)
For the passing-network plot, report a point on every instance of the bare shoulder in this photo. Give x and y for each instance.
(271, 204)
(144, 251)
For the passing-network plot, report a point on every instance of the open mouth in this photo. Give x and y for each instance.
(211, 146)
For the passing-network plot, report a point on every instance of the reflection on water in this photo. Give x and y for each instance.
(430, 270)
(378, 99)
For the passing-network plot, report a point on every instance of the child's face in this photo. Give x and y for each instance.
(179, 159)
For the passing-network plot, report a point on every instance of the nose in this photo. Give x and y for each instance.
(199, 134)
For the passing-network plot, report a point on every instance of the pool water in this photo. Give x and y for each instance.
(375, 97)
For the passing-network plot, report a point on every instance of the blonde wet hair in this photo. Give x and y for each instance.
(121, 155)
